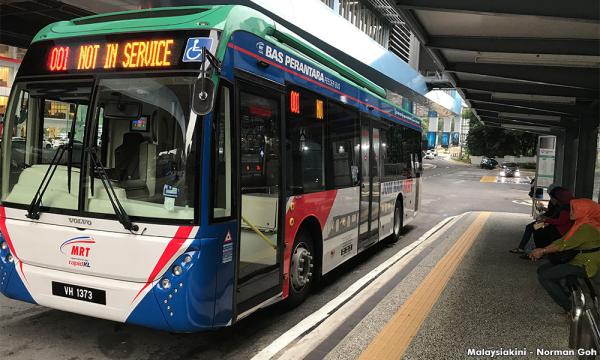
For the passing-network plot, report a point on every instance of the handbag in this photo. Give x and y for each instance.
(563, 257)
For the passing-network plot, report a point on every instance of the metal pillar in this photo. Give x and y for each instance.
(559, 160)
(569, 157)
(586, 153)
(576, 154)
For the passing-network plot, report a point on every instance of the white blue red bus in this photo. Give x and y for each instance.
(180, 168)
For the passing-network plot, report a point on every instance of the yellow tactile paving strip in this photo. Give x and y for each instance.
(489, 179)
(396, 336)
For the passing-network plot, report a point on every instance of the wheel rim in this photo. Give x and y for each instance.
(397, 222)
(301, 267)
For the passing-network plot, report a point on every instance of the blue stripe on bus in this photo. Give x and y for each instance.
(14, 287)
(246, 58)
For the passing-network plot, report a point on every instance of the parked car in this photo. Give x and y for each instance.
(488, 163)
(510, 170)
(429, 155)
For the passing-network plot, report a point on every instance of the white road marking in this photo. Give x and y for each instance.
(523, 202)
(311, 322)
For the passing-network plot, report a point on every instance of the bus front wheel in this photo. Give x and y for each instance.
(301, 274)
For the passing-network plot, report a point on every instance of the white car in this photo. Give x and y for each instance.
(58, 142)
(429, 155)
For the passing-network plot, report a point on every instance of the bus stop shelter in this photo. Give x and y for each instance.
(521, 65)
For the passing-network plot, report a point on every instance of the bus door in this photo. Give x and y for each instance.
(259, 195)
(369, 191)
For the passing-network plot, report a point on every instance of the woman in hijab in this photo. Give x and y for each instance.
(553, 224)
(556, 225)
(584, 236)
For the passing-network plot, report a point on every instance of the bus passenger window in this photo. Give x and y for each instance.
(305, 143)
(383, 152)
(343, 160)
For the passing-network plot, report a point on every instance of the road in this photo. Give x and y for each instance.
(34, 332)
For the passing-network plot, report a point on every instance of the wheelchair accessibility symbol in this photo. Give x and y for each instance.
(193, 49)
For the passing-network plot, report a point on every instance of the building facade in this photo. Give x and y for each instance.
(380, 20)
(10, 59)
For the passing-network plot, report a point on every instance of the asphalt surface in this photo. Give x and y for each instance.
(34, 332)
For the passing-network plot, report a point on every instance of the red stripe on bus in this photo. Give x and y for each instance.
(6, 236)
(249, 53)
(182, 234)
(22, 272)
(317, 205)
(5, 232)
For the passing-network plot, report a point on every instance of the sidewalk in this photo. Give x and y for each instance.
(462, 290)
(492, 301)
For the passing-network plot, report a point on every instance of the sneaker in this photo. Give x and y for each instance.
(517, 251)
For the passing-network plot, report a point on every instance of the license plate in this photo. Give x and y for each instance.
(79, 293)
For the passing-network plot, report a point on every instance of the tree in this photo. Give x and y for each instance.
(424, 127)
(494, 141)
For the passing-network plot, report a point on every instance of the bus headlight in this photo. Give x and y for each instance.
(165, 283)
(187, 259)
(9, 258)
(4, 245)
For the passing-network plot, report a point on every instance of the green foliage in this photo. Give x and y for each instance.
(494, 141)
(424, 128)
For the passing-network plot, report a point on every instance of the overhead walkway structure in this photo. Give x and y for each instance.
(525, 65)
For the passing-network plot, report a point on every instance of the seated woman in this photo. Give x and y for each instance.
(584, 235)
(553, 224)
(553, 227)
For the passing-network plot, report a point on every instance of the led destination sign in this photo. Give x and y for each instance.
(181, 50)
(107, 56)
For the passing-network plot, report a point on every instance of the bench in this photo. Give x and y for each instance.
(584, 327)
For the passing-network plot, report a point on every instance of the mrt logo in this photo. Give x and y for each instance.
(80, 246)
(80, 251)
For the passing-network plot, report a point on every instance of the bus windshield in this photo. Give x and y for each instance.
(141, 130)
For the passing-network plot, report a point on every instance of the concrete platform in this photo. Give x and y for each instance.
(493, 301)
(457, 294)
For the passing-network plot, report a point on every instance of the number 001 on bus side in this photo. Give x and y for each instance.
(79, 293)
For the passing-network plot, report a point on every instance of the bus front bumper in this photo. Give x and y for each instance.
(172, 303)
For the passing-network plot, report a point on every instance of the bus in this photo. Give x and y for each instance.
(213, 163)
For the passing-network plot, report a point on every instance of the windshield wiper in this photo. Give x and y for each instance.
(112, 196)
(33, 212)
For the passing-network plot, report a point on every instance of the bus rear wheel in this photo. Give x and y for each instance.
(301, 276)
(398, 221)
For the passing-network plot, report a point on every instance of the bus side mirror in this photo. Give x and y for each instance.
(204, 96)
